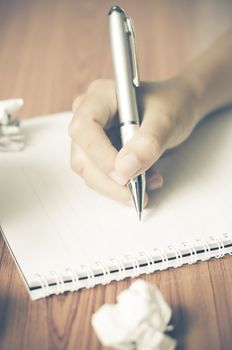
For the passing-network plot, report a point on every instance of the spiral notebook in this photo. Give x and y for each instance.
(64, 236)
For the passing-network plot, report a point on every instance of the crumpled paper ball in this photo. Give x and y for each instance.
(11, 138)
(136, 321)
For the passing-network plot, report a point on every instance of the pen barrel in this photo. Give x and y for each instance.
(123, 69)
(127, 131)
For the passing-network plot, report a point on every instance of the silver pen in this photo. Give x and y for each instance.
(122, 38)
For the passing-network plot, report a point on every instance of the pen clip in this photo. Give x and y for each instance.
(134, 56)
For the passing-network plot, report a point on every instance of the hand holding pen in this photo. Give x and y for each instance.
(96, 139)
(169, 111)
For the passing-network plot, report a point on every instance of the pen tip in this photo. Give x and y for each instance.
(137, 190)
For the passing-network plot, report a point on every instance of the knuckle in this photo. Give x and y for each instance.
(101, 84)
(77, 102)
(76, 127)
(96, 84)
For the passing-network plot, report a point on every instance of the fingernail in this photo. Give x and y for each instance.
(128, 165)
(155, 182)
(117, 178)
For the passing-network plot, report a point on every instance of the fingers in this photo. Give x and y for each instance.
(94, 157)
(77, 102)
(93, 112)
(98, 103)
(95, 178)
(154, 181)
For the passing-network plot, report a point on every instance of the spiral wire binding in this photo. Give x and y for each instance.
(228, 236)
(192, 252)
(220, 245)
(135, 264)
(121, 268)
(206, 247)
(105, 271)
(178, 255)
(90, 275)
(164, 258)
(43, 283)
(150, 262)
(74, 279)
(60, 287)
(144, 259)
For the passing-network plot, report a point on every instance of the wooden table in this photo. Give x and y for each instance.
(49, 52)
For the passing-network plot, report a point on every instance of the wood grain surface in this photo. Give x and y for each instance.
(49, 52)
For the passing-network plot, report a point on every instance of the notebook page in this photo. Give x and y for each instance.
(52, 220)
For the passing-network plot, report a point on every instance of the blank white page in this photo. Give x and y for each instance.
(51, 220)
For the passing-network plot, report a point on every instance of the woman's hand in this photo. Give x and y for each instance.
(168, 118)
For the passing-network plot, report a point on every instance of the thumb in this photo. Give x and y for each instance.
(141, 152)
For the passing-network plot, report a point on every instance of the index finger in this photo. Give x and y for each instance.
(95, 110)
